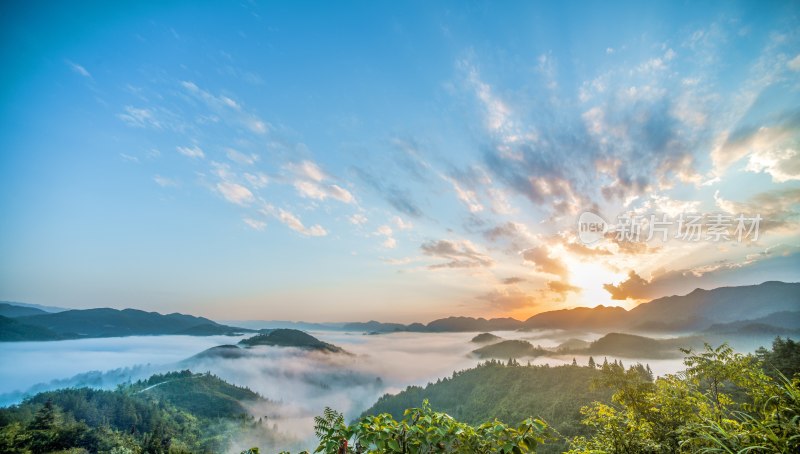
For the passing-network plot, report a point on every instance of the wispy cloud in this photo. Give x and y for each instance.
(194, 152)
(78, 69)
(165, 182)
(294, 223)
(255, 224)
(235, 193)
(457, 254)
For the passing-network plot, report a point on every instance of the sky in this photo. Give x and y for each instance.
(399, 161)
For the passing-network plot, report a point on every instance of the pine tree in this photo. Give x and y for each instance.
(591, 363)
(574, 362)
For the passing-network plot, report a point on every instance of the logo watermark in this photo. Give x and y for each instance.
(690, 227)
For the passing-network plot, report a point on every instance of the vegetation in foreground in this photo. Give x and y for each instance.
(723, 402)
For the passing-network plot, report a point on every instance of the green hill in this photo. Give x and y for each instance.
(285, 337)
(509, 393)
(633, 346)
(509, 349)
(485, 338)
(200, 394)
(174, 412)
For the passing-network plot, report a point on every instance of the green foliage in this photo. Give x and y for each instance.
(723, 402)
(510, 393)
(783, 359)
(421, 430)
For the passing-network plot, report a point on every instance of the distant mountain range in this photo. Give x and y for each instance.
(105, 322)
(697, 311)
(768, 308)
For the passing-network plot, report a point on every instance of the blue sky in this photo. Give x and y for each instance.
(392, 160)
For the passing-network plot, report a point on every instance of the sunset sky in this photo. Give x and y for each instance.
(399, 161)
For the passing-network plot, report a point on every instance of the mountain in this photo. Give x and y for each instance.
(127, 322)
(13, 330)
(508, 393)
(594, 318)
(572, 345)
(509, 349)
(466, 324)
(13, 311)
(778, 323)
(42, 308)
(695, 311)
(702, 308)
(290, 338)
(633, 346)
(485, 338)
(375, 327)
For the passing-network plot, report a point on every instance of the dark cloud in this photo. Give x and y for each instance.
(458, 254)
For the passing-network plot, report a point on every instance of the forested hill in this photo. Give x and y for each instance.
(510, 392)
(174, 412)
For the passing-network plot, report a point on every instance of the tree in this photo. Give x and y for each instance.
(421, 430)
(591, 362)
(574, 362)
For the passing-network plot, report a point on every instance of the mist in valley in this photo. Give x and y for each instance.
(298, 384)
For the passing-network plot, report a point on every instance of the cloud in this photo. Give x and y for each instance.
(308, 170)
(515, 233)
(165, 182)
(402, 224)
(129, 158)
(227, 108)
(513, 280)
(781, 263)
(139, 117)
(241, 158)
(778, 208)
(458, 254)
(389, 241)
(770, 147)
(508, 298)
(357, 219)
(542, 261)
(294, 223)
(311, 183)
(256, 180)
(255, 224)
(400, 199)
(469, 197)
(561, 287)
(235, 193)
(794, 64)
(79, 69)
(193, 152)
(634, 287)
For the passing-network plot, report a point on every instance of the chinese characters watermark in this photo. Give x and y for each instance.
(690, 227)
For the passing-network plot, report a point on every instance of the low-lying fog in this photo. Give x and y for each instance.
(301, 382)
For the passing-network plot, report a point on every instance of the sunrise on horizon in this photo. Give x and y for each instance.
(313, 166)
